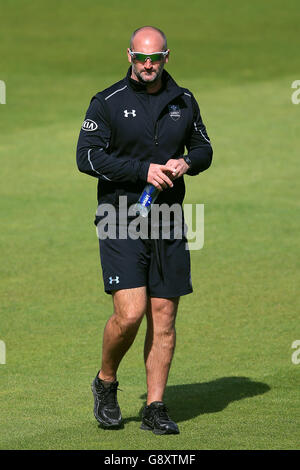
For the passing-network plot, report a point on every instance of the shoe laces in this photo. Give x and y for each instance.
(162, 412)
(108, 394)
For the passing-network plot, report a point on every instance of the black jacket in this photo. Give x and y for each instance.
(126, 129)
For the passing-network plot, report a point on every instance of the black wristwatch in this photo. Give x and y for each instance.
(187, 160)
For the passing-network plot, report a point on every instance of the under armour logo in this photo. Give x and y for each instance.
(116, 280)
(126, 113)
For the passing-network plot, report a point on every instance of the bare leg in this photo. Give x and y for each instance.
(159, 345)
(120, 331)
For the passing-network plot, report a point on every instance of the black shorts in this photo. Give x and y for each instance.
(162, 265)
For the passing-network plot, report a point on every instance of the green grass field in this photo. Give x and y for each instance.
(233, 384)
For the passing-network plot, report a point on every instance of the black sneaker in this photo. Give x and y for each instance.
(155, 418)
(106, 409)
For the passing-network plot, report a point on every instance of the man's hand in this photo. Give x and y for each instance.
(160, 176)
(177, 167)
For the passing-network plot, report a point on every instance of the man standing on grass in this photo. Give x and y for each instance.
(135, 132)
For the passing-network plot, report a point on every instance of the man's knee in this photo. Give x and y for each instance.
(164, 312)
(128, 318)
(129, 307)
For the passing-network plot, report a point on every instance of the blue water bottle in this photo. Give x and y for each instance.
(147, 198)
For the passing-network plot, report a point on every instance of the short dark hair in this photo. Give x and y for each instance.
(155, 29)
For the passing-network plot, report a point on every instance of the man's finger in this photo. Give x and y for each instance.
(157, 185)
(165, 178)
(171, 170)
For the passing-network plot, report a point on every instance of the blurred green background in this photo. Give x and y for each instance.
(232, 384)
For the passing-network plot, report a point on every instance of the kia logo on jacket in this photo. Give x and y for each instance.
(89, 125)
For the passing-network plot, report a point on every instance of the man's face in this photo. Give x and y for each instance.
(147, 42)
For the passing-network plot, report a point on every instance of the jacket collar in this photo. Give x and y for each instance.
(169, 91)
(168, 84)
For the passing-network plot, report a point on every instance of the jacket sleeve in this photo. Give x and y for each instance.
(199, 147)
(93, 154)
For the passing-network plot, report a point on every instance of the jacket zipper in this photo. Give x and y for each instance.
(155, 133)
